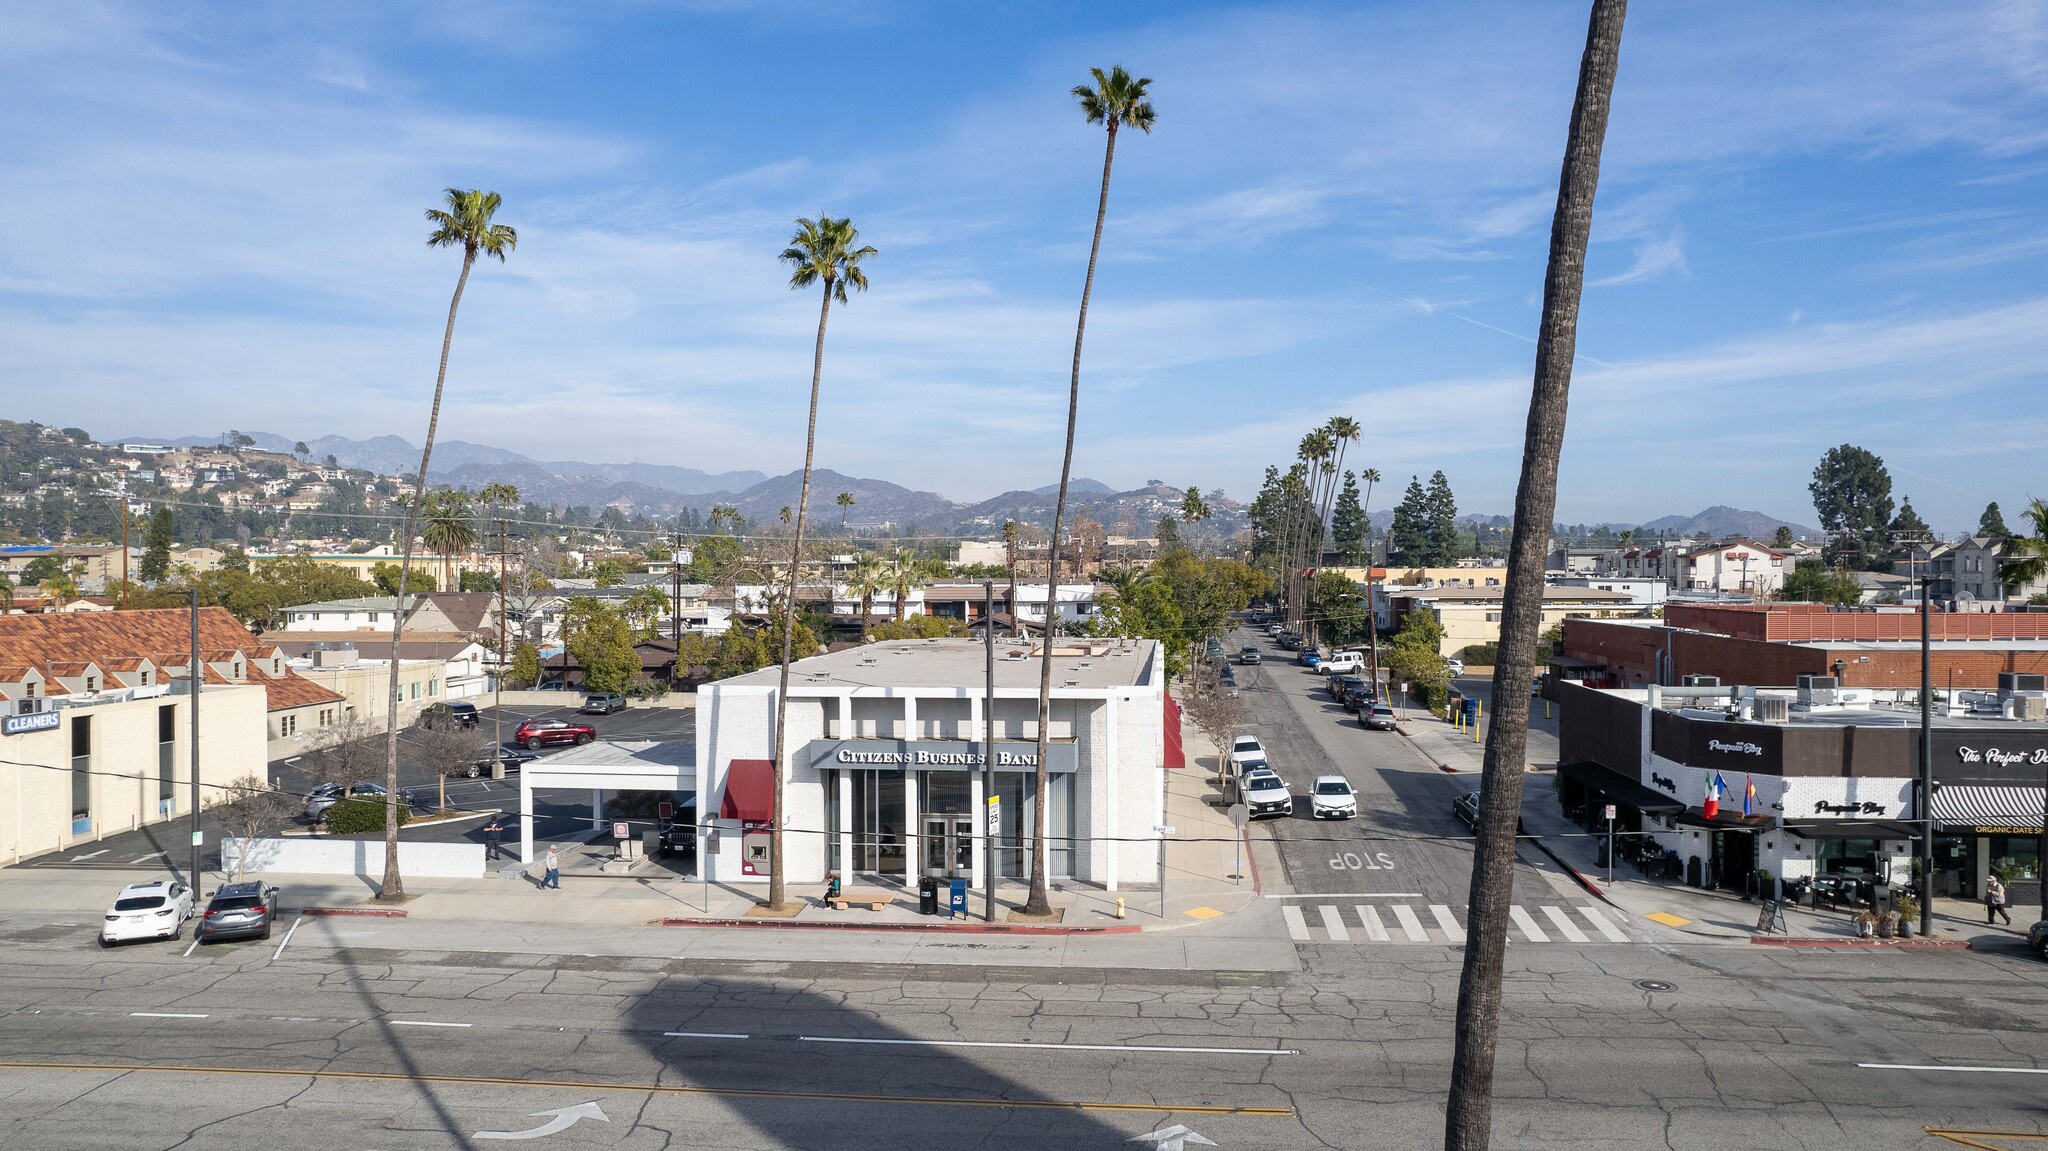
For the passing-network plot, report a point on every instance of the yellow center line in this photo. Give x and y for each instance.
(662, 1089)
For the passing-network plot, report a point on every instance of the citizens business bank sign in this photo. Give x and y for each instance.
(934, 755)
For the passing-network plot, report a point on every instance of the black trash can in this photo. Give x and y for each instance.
(927, 896)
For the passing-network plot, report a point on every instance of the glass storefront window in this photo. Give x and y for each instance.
(2015, 856)
(1845, 856)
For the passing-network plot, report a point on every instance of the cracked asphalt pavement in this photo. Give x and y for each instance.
(433, 1041)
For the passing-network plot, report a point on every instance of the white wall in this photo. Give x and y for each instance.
(364, 857)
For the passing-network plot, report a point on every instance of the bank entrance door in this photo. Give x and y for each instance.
(948, 845)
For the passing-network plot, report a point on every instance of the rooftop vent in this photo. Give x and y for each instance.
(2020, 683)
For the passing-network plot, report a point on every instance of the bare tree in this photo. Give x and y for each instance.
(349, 751)
(1216, 714)
(250, 808)
(446, 750)
(1468, 1115)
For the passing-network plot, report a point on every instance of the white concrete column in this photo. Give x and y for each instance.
(596, 808)
(913, 830)
(977, 807)
(1102, 770)
(525, 818)
(845, 829)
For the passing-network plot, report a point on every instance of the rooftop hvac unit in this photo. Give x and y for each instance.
(1817, 689)
(1773, 709)
(1701, 681)
(2030, 708)
(2013, 683)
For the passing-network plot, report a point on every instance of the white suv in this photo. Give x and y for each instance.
(1245, 748)
(1267, 794)
(156, 910)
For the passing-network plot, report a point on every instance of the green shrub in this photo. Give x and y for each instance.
(352, 816)
(1480, 655)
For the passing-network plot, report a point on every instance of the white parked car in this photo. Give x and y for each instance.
(1455, 666)
(1342, 663)
(1332, 798)
(155, 910)
(1243, 748)
(1267, 794)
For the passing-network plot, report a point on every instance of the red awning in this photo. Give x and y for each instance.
(749, 791)
(1176, 755)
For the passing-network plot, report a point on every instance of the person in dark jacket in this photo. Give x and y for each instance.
(494, 837)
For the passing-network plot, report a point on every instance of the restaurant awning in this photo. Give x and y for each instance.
(1176, 754)
(1988, 806)
(749, 791)
(1620, 788)
(1851, 829)
(1724, 820)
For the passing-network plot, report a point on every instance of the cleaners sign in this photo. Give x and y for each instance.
(33, 721)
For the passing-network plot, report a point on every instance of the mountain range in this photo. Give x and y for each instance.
(662, 490)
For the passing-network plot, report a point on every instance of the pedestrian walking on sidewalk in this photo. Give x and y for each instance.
(494, 838)
(553, 878)
(1994, 902)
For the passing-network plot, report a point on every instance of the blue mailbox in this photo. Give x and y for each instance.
(956, 900)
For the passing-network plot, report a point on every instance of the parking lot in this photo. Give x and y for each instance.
(557, 813)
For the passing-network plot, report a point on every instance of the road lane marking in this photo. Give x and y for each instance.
(1297, 927)
(1051, 1046)
(1597, 919)
(150, 856)
(193, 946)
(422, 1023)
(1410, 925)
(666, 1089)
(1448, 922)
(1350, 895)
(1978, 1070)
(705, 1035)
(286, 941)
(1565, 925)
(1527, 923)
(91, 854)
(165, 1015)
(1374, 929)
(1334, 923)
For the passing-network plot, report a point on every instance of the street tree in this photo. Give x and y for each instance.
(845, 501)
(465, 223)
(348, 750)
(828, 253)
(1408, 535)
(1852, 492)
(156, 547)
(447, 526)
(2025, 558)
(1115, 99)
(1782, 539)
(250, 809)
(1468, 1115)
(1442, 520)
(1812, 581)
(1992, 522)
(1348, 526)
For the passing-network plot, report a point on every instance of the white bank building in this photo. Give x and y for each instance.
(883, 764)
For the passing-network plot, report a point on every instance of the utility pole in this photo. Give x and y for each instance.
(195, 676)
(124, 543)
(1926, 812)
(675, 567)
(991, 802)
(504, 663)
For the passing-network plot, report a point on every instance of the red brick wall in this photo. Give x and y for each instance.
(1810, 622)
(1632, 652)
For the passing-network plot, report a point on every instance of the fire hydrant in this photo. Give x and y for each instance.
(1119, 907)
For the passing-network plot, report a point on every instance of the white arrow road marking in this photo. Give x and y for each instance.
(147, 858)
(564, 1118)
(1174, 1138)
(91, 854)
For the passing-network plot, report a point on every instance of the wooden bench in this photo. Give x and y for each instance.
(842, 902)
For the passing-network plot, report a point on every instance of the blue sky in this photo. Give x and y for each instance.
(1817, 224)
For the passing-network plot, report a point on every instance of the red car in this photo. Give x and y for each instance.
(537, 733)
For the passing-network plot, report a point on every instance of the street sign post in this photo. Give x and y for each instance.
(1164, 831)
(1239, 816)
(1610, 845)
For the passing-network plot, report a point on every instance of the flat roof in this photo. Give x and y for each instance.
(669, 753)
(1905, 715)
(1077, 664)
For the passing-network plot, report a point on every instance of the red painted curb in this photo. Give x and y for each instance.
(378, 912)
(965, 929)
(1828, 941)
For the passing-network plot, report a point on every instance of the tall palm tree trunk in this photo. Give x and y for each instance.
(1468, 1116)
(1372, 624)
(392, 888)
(1015, 628)
(1038, 903)
(776, 884)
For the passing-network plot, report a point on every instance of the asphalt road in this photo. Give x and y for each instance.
(558, 813)
(431, 1038)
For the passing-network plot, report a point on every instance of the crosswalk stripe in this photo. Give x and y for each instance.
(1374, 929)
(1599, 920)
(1446, 921)
(1564, 924)
(1297, 927)
(1527, 923)
(1410, 925)
(1334, 923)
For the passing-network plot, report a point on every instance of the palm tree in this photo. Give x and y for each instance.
(1371, 476)
(1340, 431)
(907, 573)
(828, 252)
(1468, 1115)
(724, 514)
(845, 501)
(1193, 508)
(446, 528)
(2026, 557)
(6, 594)
(869, 578)
(466, 223)
(1011, 534)
(644, 607)
(1115, 99)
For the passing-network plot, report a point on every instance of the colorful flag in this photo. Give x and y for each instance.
(1712, 803)
(1748, 797)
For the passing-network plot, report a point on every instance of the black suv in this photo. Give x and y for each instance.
(450, 715)
(239, 910)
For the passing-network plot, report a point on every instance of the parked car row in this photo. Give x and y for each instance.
(160, 909)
